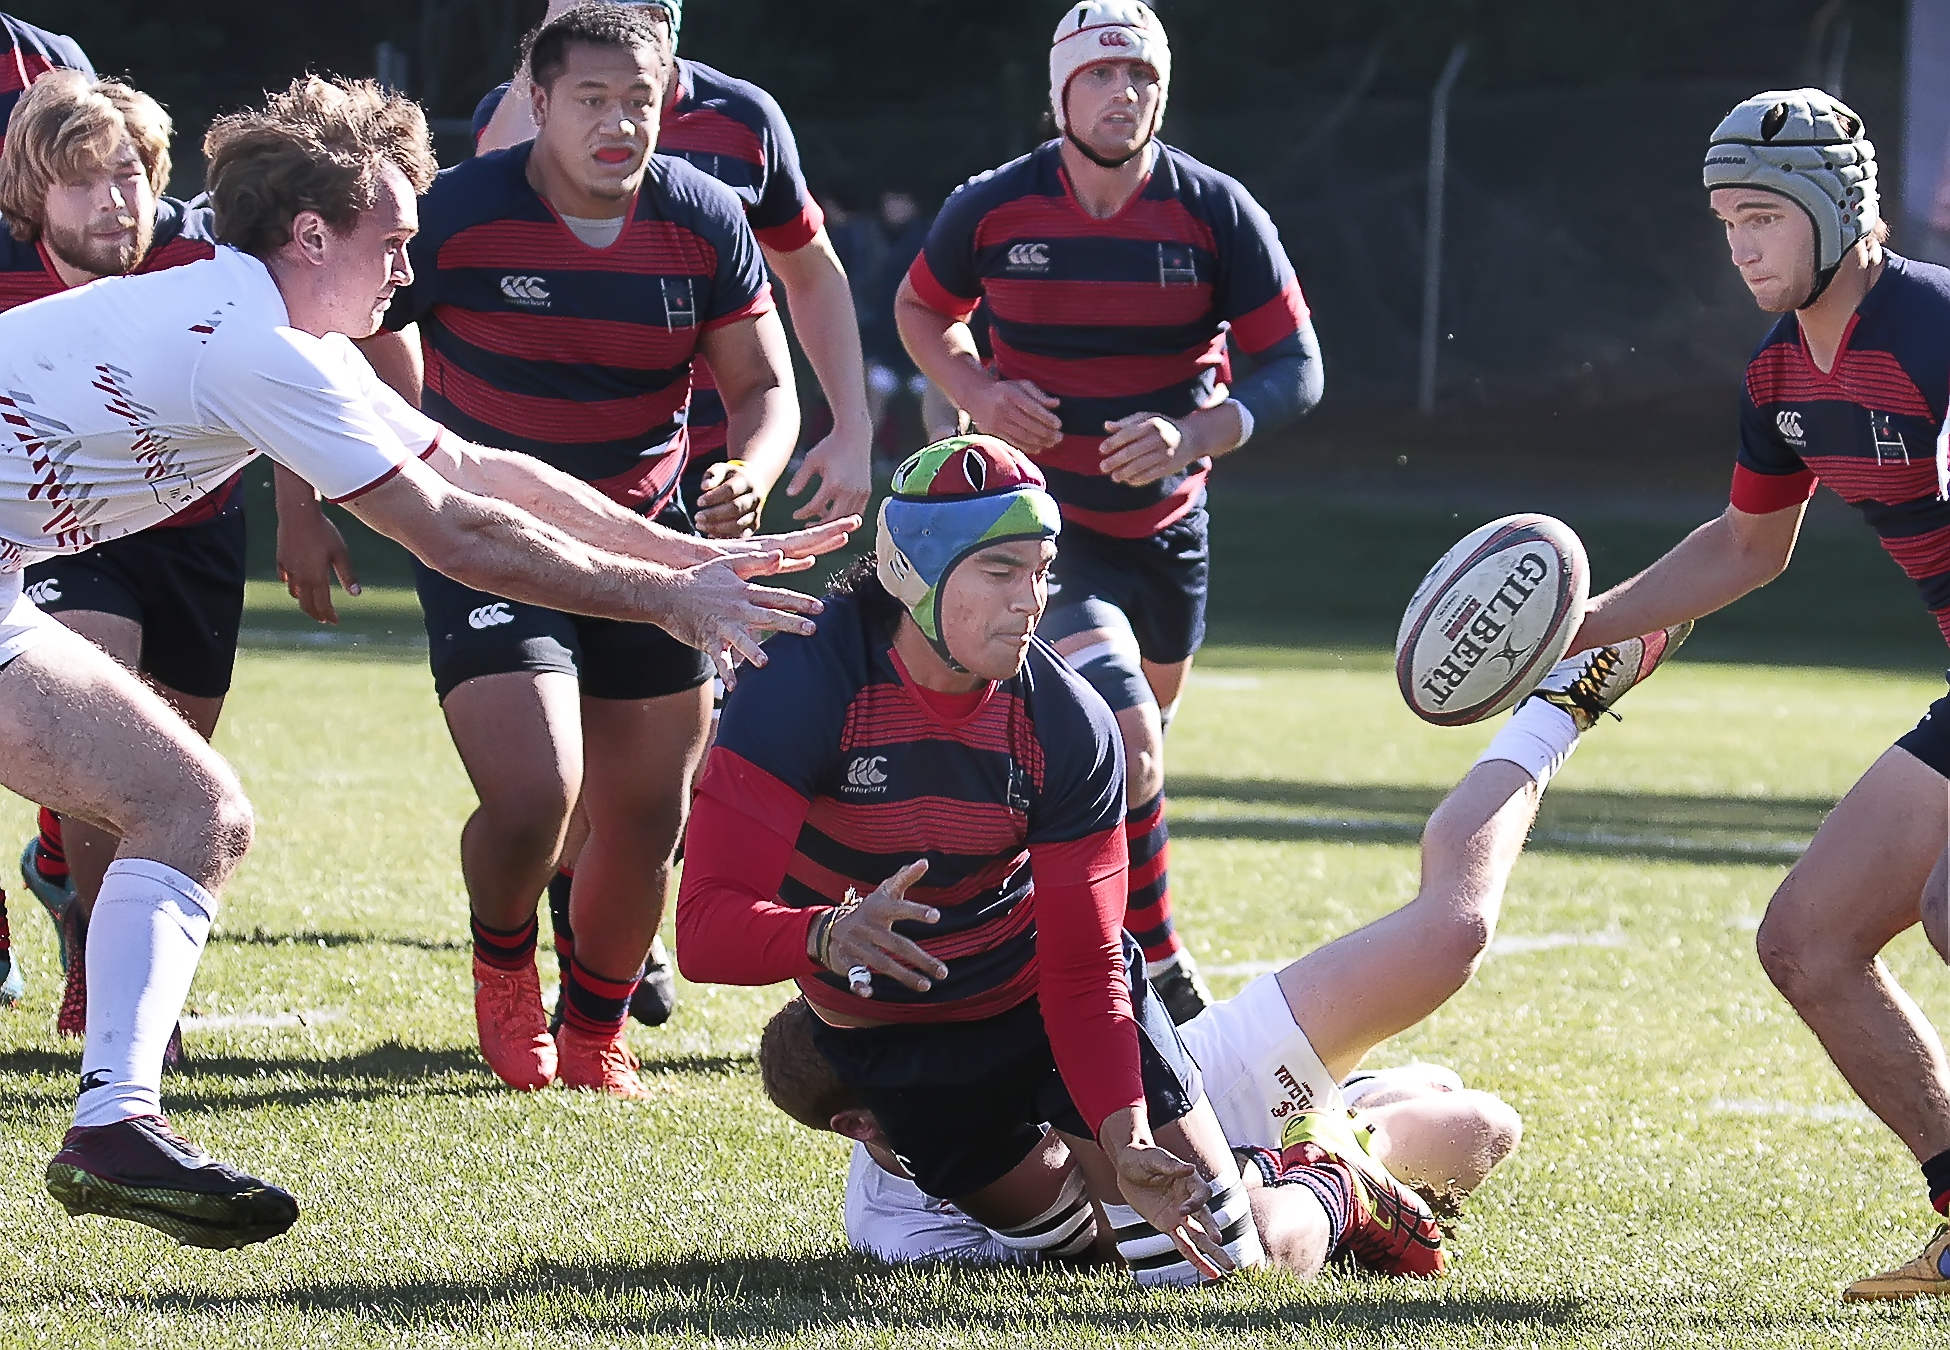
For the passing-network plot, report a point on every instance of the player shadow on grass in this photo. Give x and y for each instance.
(773, 1295)
(1713, 829)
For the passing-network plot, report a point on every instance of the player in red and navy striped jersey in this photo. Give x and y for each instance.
(737, 133)
(925, 749)
(32, 52)
(1121, 277)
(564, 289)
(1848, 389)
(81, 189)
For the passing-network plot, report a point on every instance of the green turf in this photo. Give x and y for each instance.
(1693, 1171)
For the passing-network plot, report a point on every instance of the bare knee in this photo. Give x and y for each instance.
(1456, 937)
(527, 820)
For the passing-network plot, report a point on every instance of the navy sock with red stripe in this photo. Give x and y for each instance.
(504, 950)
(596, 1006)
(558, 914)
(52, 862)
(1936, 1175)
(1332, 1184)
(1147, 908)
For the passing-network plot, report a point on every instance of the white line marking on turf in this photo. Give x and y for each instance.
(1518, 943)
(1248, 969)
(1666, 843)
(1754, 1106)
(261, 1021)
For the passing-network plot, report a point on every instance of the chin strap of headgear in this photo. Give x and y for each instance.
(950, 500)
(1807, 146)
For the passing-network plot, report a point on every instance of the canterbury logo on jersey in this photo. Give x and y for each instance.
(487, 616)
(529, 291)
(865, 774)
(44, 592)
(1789, 425)
(1029, 258)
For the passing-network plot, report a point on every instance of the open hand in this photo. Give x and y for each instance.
(310, 552)
(1166, 1191)
(864, 935)
(794, 551)
(1021, 414)
(724, 616)
(843, 464)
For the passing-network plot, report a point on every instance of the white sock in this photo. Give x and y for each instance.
(1156, 1262)
(1538, 738)
(144, 941)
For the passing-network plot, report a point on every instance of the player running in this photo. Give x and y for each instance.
(130, 399)
(1274, 1056)
(1117, 270)
(564, 289)
(1848, 388)
(82, 175)
(737, 133)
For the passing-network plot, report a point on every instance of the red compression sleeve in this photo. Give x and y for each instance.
(1080, 962)
(731, 928)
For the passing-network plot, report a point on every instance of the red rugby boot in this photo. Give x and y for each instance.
(513, 1028)
(1389, 1227)
(600, 1063)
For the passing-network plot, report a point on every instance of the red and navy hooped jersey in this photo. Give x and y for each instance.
(31, 53)
(1113, 317)
(1868, 428)
(535, 341)
(831, 745)
(737, 133)
(184, 234)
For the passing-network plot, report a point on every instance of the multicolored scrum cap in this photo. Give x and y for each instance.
(1809, 147)
(951, 499)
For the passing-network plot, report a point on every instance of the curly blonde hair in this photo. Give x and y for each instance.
(67, 127)
(318, 146)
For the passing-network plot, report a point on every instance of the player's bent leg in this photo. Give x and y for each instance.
(519, 734)
(1443, 1144)
(1854, 890)
(640, 757)
(1042, 1207)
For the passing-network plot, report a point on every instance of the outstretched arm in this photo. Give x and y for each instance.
(1707, 570)
(821, 304)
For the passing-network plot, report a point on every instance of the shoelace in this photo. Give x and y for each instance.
(507, 1000)
(1583, 691)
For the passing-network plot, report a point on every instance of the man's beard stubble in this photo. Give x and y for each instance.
(85, 253)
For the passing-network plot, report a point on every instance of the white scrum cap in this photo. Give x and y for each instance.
(1107, 30)
(1808, 146)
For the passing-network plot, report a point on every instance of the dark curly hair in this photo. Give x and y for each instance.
(318, 146)
(859, 580)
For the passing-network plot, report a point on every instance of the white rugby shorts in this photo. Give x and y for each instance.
(1259, 1066)
(21, 622)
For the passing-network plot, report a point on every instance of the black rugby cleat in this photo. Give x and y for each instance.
(142, 1171)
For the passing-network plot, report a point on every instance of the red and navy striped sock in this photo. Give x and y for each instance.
(1936, 1175)
(504, 950)
(53, 860)
(1331, 1181)
(596, 1006)
(558, 914)
(1147, 907)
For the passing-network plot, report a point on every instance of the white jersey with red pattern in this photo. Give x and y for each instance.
(126, 400)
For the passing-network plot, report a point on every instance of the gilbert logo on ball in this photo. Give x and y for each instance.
(1491, 618)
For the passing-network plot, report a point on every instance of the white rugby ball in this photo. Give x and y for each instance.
(1491, 618)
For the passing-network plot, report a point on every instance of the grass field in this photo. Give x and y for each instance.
(1693, 1172)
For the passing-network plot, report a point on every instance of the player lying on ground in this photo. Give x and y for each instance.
(131, 398)
(1273, 1056)
(1848, 388)
(632, 267)
(737, 133)
(81, 187)
(1117, 270)
(925, 748)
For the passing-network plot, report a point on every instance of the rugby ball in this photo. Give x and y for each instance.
(1491, 618)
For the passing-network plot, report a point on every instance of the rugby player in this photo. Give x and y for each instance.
(1274, 1056)
(1117, 272)
(82, 179)
(128, 400)
(564, 289)
(927, 749)
(737, 133)
(30, 53)
(1847, 388)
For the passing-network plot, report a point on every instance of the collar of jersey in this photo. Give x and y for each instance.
(912, 688)
(1871, 301)
(1070, 191)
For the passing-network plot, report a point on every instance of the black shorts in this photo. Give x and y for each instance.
(1929, 739)
(963, 1102)
(472, 633)
(183, 584)
(1158, 582)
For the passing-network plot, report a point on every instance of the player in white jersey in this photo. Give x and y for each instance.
(124, 401)
(1273, 1058)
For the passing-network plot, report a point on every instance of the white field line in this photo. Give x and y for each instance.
(304, 1017)
(1514, 945)
(1244, 969)
(1755, 1106)
(1667, 843)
